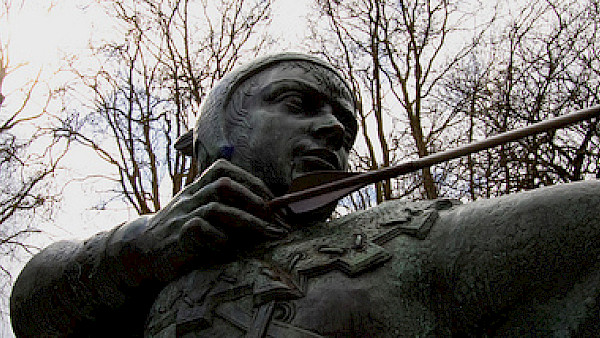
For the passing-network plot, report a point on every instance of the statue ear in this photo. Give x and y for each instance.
(185, 143)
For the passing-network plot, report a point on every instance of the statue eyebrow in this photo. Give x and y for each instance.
(276, 88)
(271, 91)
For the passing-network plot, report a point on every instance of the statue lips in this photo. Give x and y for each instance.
(319, 159)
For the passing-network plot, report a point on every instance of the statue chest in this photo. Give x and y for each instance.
(360, 279)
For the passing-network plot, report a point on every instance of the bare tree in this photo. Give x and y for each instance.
(28, 161)
(395, 54)
(544, 63)
(152, 82)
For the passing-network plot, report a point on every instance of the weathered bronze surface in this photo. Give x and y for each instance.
(216, 261)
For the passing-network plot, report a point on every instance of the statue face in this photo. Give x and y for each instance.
(296, 123)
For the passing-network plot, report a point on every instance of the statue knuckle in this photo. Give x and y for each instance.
(223, 185)
(222, 163)
(183, 201)
(213, 209)
(210, 174)
(221, 167)
(175, 223)
(218, 190)
(192, 224)
(193, 228)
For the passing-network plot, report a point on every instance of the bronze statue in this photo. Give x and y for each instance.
(216, 261)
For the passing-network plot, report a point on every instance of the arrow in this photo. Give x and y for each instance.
(315, 190)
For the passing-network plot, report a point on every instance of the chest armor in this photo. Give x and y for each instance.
(359, 275)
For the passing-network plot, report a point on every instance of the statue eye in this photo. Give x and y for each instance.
(293, 101)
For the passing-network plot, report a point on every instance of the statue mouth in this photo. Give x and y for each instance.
(318, 159)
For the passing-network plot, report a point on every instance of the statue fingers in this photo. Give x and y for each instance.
(238, 224)
(229, 192)
(198, 234)
(223, 168)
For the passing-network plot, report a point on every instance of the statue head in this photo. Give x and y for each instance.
(278, 117)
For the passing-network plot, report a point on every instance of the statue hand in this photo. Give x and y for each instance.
(224, 208)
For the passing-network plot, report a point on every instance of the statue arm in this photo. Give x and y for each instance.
(71, 286)
(113, 278)
(491, 256)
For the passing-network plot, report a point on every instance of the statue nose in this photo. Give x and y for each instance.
(329, 129)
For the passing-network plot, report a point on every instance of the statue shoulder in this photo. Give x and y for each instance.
(408, 217)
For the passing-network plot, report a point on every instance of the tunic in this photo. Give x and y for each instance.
(521, 265)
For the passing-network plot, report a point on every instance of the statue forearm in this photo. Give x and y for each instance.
(74, 287)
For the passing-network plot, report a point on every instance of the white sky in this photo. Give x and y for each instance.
(39, 33)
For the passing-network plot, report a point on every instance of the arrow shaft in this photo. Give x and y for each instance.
(360, 180)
